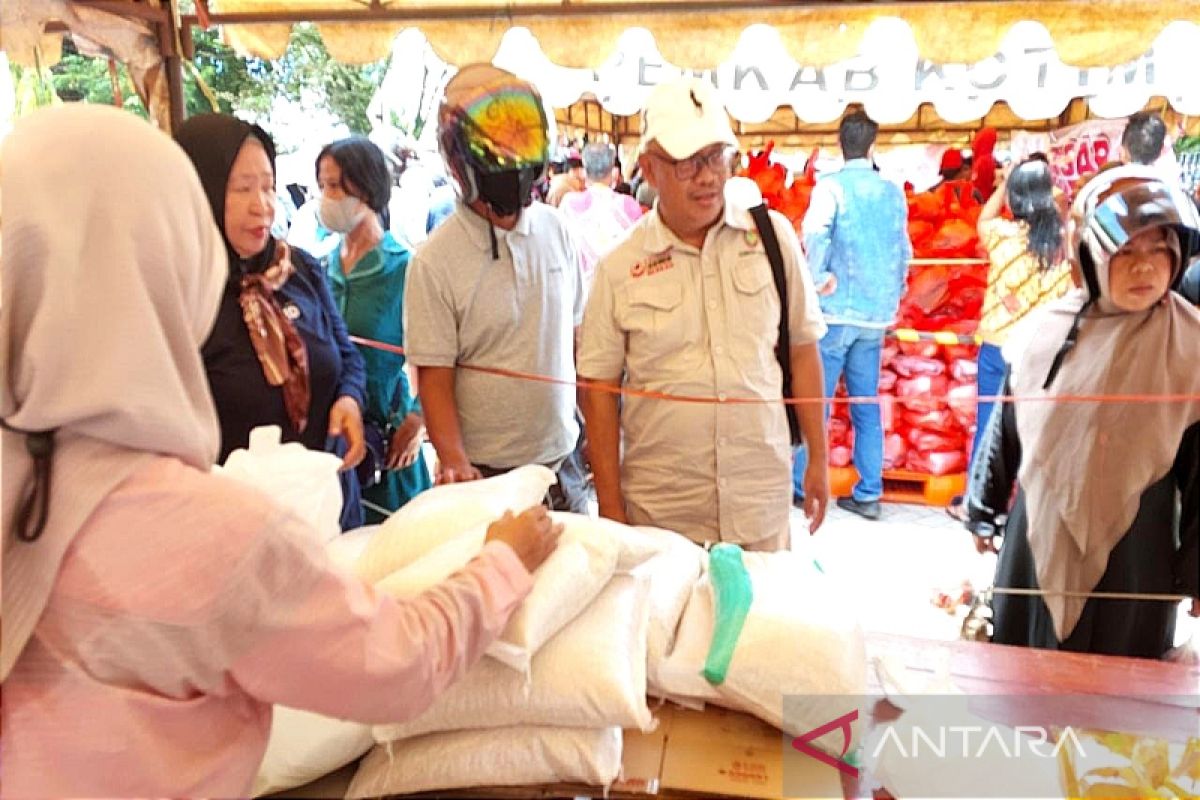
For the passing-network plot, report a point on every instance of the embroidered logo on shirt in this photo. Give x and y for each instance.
(659, 263)
(752, 238)
(291, 311)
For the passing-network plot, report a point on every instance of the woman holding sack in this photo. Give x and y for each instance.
(154, 611)
(1108, 491)
(367, 273)
(279, 353)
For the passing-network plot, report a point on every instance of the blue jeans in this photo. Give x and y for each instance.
(855, 351)
(988, 383)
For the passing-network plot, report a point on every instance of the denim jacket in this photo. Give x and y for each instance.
(856, 230)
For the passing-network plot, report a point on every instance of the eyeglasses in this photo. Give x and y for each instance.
(719, 161)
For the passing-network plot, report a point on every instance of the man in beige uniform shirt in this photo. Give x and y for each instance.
(686, 305)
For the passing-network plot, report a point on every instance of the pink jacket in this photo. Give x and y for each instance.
(186, 607)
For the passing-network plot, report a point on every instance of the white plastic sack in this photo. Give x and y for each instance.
(441, 513)
(435, 566)
(563, 586)
(306, 746)
(301, 480)
(592, 674)
(801, 638)
(345, 550)
(637, 545)
(505, 757)
(672, 574)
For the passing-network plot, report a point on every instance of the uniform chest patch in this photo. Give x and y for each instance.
(751, 238)
(652, 266)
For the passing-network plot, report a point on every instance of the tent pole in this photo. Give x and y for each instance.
(172, 66)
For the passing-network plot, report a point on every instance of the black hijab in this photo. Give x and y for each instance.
(212, 142)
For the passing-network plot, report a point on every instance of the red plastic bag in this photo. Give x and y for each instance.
(912, 366)
(956, 238)
(947, 462)
(926, 441)
(840, 456)
(937, 462)
(956, 352)
(895, 449)
(919, 349)
(923, 392)
(939, 419)
(838, 428)
(887, 412)
(962, 397)
(964, 369)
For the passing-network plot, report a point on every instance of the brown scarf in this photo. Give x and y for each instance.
(279, 347)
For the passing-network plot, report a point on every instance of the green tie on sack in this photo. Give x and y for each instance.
(732, 595)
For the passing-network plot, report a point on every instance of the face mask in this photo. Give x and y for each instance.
(509, 191)
(341, 216)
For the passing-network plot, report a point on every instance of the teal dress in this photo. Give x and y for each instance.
(371, 299)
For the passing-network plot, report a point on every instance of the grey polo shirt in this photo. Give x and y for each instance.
(517, 313)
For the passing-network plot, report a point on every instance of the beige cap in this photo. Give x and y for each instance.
(684, 117)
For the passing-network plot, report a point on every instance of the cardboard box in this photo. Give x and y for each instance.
(721, 753)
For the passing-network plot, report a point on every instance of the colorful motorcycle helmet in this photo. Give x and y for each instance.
(493, 134)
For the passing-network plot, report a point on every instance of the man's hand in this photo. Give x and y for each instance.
(345, 420)
(406, 441)
(614, 511)
(829, 286)
(460, 470)
(985, 544)
(816, 494)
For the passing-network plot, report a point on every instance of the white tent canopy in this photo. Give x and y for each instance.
(888, 76)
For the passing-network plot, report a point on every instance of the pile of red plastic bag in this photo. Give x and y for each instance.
(927, 403)
(927, 389)
(789, 199)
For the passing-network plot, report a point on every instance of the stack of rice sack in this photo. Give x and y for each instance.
(927, 390)
(616, 613)
(796, 659)
(548, 702)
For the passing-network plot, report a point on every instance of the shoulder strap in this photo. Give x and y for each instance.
(766, 232)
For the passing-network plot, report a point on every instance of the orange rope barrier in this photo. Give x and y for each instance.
(683, 398)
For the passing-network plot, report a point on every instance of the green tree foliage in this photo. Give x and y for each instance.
(306, 70)
(238, 84)
(305, 74)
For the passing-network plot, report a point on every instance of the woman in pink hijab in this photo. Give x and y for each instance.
(154, 612)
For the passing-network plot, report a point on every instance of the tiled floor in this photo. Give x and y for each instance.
(895, 565)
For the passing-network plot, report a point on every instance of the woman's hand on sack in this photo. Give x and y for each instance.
(345, 420)
(406, 441)
(532, 535)
(985, 544)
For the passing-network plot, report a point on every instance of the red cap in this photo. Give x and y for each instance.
(951, 159)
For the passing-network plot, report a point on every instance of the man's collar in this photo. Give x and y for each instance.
(477, 225)
(858, 163)
(659, 237)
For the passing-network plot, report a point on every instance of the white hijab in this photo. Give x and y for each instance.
(112, 270)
